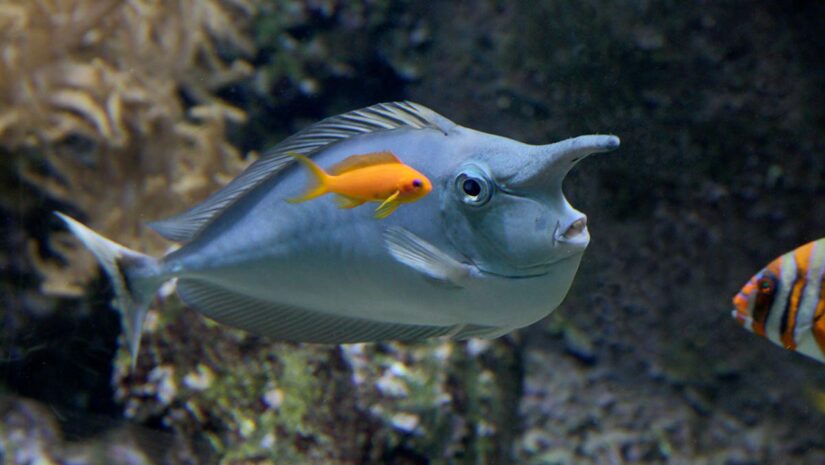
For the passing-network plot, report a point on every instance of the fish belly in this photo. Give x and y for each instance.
(369, 285)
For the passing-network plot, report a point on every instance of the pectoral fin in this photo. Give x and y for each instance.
(425, 258)
(388, 206)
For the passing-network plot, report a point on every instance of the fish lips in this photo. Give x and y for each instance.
(572, 235)
(742, 318)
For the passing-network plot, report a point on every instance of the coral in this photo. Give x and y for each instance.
(33, 433)
(113, 103)
(27, 432)
(256, 401)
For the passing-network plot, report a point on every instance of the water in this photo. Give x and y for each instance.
(121, 113)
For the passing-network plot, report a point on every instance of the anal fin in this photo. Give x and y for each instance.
(345, 201)
(288, 323)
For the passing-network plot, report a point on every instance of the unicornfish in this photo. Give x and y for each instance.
(493, 247)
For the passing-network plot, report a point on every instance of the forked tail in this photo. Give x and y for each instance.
(320, 180)
(136, 278)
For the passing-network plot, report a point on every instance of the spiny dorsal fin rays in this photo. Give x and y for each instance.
(380, 117)
(360, 161)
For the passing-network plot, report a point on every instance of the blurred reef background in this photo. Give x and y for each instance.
(125, 111)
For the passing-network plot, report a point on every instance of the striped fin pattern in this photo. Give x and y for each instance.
(785, 301)
(287, 323)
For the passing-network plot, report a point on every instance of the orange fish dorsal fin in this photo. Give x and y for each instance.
(355, 162)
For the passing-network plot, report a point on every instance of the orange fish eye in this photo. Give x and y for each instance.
(416, 183)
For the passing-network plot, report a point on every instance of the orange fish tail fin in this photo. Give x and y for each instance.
(320, 179)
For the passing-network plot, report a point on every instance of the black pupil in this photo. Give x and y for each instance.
(471, 187)
(416, 183)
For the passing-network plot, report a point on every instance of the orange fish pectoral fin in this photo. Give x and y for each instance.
(388, 206)
(319, 177)
(344, 201)
(386, 210)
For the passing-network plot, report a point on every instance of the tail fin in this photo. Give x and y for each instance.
(136, 278)
(321, 179)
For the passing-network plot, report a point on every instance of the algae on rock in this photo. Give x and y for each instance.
(111, 109)
(253, 399)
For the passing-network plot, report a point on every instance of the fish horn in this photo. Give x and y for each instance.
(547, 165)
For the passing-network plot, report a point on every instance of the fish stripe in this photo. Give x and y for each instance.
(802, 260)
(760, 307)
(810, 293)
(787, 275)
(819, 313)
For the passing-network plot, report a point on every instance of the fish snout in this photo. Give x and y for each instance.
(740, 311)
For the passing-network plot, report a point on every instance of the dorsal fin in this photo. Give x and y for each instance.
(380, 117)
(360, 161)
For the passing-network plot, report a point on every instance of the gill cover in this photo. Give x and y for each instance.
(504, 207)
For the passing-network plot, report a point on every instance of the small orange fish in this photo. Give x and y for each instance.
(373, 177)
(785, 301)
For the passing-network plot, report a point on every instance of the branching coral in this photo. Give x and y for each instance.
(114, 103)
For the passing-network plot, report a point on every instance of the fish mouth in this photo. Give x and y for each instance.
(740, 310)
(743, 319)
(573, 233)
(569, 240)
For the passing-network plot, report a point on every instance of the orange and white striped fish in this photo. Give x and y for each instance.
(785, 301)
(373, 177)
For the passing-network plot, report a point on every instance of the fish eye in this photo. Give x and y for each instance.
(416, 183)
(473, 189)
(765, 290)
(766, 285)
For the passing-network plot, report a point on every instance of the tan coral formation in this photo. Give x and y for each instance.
(93, 89)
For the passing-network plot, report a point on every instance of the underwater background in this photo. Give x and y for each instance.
(126, 111)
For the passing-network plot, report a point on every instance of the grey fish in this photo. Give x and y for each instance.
(493, 248)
